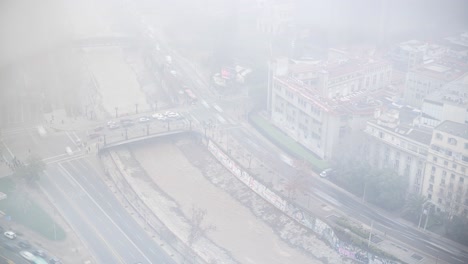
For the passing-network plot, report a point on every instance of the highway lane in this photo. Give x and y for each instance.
(349, 206)
(127, 237)
(65, 196)
(9, 257)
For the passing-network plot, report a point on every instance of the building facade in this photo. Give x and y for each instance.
(398, 145)
(445, 181)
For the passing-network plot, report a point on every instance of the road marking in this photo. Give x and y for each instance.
(108, 217)
(219, 109)
(84, 219)
(220, 118)
(53, 157)
(7, 148)
(204, 103)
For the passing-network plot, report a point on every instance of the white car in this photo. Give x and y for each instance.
(159, 116)
(144, 119)
(27, 255)
(326, 173)
(174, 115)
(10, 234)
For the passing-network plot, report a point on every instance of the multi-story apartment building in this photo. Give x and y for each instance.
(394, 142)
(411, 54)
(449, 103)
(425, 79)
(319, 104)
(445, 181)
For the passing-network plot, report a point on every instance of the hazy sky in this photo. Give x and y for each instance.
(29, 26)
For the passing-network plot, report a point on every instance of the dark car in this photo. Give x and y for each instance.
(24, 244)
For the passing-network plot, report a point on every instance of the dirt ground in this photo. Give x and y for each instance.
(178, 169)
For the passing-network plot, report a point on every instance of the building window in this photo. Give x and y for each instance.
(463, 169)
(431, 187)
(454, 166)
(439, 200)
(466, 145)
(434, 159)
(432, 178)
(452, 141)
(445, 163)
(452, 176)
(429, 196)
(461, 180)
(433, 170)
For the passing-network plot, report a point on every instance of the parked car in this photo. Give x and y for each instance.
(326, 173)
(10, 234)
(24, 244)
(27, 255)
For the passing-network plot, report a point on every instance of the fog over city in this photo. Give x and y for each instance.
(234, 131)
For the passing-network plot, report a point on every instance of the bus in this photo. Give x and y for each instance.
(191, 97)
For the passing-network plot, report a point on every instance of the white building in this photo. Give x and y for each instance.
(450, 103)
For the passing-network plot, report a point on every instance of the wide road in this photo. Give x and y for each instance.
(92, 210)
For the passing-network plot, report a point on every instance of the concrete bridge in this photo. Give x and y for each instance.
(105, 146)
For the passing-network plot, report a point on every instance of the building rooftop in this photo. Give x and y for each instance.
(454, 93)
(444, 69)
(359, 102)
(335, 67)
(454, 128)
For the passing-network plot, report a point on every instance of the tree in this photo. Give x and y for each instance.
(198, 228)
(299, 181)
(387, 189)
(31, 170)
(414, 206)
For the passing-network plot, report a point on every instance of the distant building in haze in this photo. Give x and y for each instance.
(446, 175)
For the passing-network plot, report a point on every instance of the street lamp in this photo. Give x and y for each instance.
(424, 211)
(116, 112)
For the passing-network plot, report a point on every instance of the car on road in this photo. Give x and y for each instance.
(27, 255)
(144, 119)
(172, 115)
(326, 173)
(54, 261)
(10, 234)
(126, 122)
(24, 244)
(39, 253)
(93, 135)
(159, 116)
(113, 126)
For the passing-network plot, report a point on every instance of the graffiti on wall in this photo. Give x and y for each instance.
(318, 226)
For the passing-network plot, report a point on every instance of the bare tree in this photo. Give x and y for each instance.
(198, 228)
